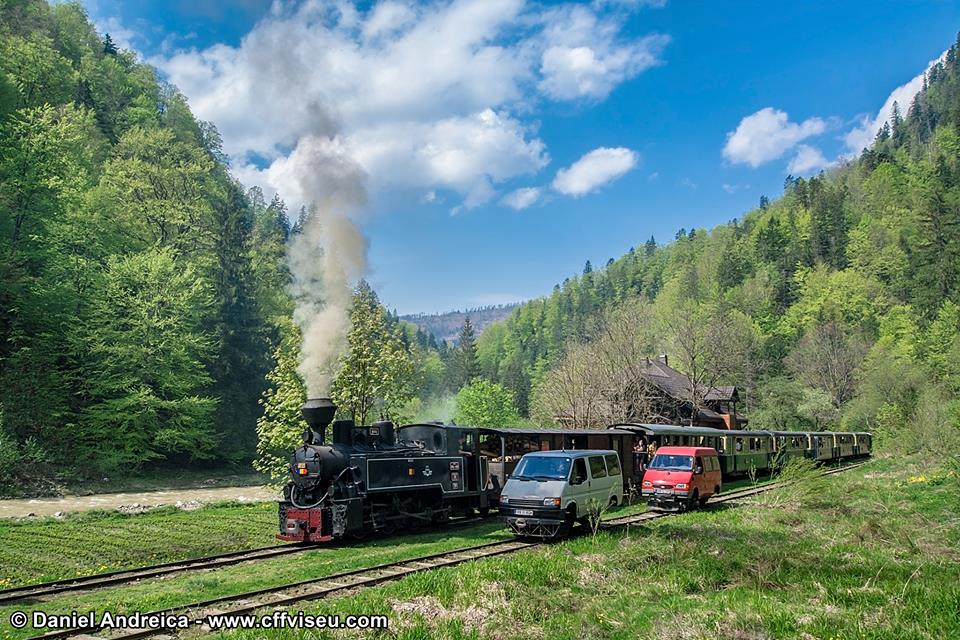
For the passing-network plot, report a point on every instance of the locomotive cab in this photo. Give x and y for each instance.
(377, 477)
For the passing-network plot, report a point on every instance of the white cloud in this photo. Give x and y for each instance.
(421, 96)
(595, 169)
(387, 17)
(862, 136)
(521, 198)
(806, 160)
(766, 135)
(583, 58)
(733, 188)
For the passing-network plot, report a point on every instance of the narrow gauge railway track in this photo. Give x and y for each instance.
(96, 581)
(318, 588)
(123, 576)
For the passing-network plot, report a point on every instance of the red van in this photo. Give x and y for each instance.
(679, 478)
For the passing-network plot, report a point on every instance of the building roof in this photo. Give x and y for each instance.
(679, 386)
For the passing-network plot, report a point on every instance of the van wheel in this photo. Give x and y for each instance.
(703, 500)
(694, 499)
(613, 501)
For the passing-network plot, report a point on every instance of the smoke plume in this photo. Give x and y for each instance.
(329, 255)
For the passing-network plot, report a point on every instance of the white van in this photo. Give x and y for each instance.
(550, 490)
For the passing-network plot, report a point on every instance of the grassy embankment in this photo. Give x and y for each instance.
(869, 554)
(874, 553)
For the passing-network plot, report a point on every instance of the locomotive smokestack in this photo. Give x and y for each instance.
(318, 413)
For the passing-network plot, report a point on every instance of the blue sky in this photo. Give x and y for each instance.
(611, 121)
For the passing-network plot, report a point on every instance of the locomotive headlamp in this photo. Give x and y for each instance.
(411, 472)
(551, 502)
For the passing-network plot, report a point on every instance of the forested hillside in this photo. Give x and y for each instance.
(140, 285)
(835, 305)
(145, 313)
(446, 326)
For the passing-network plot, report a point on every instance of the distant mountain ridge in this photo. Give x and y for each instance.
(446, 326)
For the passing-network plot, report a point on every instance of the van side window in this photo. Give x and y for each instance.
(597, 470)
(579, 470)
(613, 464)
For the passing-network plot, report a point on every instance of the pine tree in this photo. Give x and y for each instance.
(650, 246)
(464, 365)
(108, 47)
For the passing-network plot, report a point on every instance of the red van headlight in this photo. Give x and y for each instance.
(647, 483)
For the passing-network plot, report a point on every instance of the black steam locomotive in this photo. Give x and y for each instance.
(378, 477)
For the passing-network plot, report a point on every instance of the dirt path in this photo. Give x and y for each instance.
(132, 502)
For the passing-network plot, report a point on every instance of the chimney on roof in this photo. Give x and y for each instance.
(663, 358)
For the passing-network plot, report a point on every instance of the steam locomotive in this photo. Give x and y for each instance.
(379, 477)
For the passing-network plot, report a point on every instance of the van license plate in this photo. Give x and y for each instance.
(524, 512)
(663, 490)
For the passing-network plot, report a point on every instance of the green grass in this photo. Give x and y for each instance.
(868, 554)
(98, 541)
(871, 553)
(152, 595)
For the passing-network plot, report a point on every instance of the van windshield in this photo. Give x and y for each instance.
(542, 468)
(683, 463)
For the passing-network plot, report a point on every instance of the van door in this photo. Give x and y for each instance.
(600, 479)
(699, 476)
(715, 475)
(615, 471)
(579, 489)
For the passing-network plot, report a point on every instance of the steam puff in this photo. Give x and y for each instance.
(328, 257)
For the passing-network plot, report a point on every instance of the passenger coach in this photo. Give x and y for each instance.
(744, 451)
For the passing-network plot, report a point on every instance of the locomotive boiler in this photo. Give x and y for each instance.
(377, 477)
